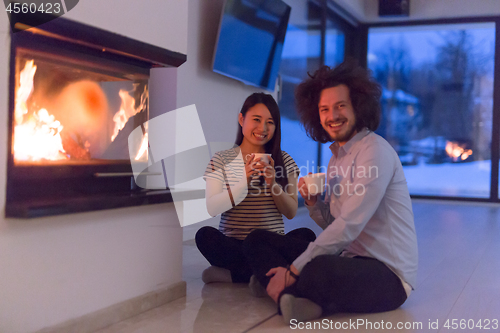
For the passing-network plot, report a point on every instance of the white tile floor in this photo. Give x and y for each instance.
(459, 278)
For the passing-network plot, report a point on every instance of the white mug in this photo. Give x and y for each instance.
(315, 183)
(259, 157)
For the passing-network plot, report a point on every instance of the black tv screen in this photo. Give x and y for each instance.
(250, 41)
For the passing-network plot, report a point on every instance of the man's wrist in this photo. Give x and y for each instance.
(310, 202)
(294, 270)
(292, 273)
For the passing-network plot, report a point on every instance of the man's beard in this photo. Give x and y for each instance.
(346, 137)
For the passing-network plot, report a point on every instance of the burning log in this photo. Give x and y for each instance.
(75, 150)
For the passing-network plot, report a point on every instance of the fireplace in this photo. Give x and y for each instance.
(75, 94)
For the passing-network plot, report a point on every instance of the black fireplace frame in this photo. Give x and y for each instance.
(45, 190)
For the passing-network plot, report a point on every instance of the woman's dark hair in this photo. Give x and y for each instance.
(274, 145)
(364, 93)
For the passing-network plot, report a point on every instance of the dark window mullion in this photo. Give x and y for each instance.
(360, 50)
(324, 11)
(495, 140)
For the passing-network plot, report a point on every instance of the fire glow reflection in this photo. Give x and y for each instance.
(457, 151)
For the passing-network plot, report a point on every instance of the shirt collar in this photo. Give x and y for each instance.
(335, 148)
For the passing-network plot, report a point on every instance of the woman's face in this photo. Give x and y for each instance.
(257, 125)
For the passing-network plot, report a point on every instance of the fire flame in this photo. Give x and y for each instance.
(456, 152)
(127, 110)
(24, 90)
(143, 150)
(37, 137)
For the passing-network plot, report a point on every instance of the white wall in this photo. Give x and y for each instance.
(218, 99)
(57, 268)
(158, 22)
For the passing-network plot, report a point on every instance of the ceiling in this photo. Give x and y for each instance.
(366, 11)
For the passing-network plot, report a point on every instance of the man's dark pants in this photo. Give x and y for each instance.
(337, 284)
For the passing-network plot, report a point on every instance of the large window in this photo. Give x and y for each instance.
(438, 83)
(438, 99)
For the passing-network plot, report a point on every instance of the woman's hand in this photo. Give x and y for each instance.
(250, 169)
(279, 281)
(267, 170)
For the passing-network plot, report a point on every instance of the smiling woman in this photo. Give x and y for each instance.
(257, 127)
(251, 194)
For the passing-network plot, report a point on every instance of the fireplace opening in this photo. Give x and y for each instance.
(76, 93)
(72, 112)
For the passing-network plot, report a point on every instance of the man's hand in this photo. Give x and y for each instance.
(279, 281)
(310, 199)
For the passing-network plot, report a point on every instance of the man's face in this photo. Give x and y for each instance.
(337, 114)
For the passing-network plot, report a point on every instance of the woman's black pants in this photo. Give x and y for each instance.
(226, 252)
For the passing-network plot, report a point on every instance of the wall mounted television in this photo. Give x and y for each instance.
(250, 41)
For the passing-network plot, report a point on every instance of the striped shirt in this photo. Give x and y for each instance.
(257, 210)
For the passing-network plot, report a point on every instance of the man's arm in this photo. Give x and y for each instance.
(318, 210)
(358, 208)
(320, 213)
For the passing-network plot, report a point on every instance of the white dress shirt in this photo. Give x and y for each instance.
(367, 208)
